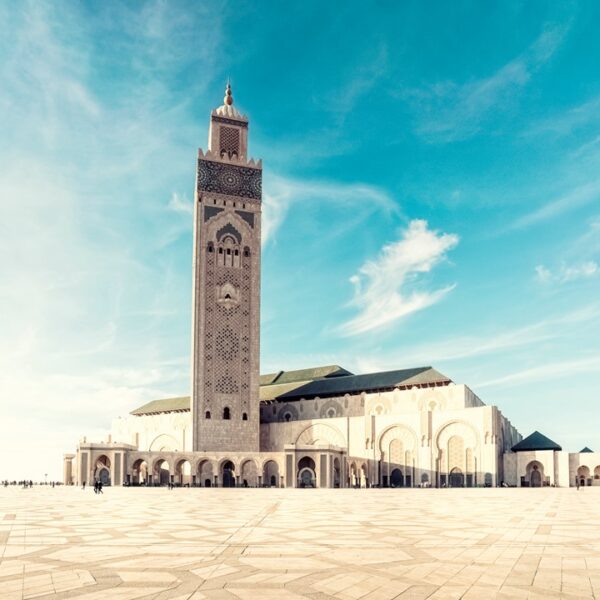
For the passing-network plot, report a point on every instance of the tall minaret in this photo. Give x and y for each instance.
(226, 288)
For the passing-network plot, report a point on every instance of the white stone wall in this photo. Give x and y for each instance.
(424, 421)
(171, 431)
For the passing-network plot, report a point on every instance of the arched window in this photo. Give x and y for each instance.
(226, 413)
(211, 247)
(244, 416)
(207, 414)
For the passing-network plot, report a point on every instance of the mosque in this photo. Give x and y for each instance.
(317, 427)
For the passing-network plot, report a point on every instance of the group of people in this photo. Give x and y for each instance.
(97, 487)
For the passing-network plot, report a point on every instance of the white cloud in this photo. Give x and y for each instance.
(280, 193)
(451, 111)
(79, 249)
(180, 204)
(566, 273)
(385, 288)
(548, 371)
(571, 120)
(492, 342)
(577, 197)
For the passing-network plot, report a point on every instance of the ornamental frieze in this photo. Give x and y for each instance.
(234, 180)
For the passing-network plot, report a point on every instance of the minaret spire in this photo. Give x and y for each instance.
(228, 99)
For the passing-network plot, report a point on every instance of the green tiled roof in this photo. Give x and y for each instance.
(585, 450)
(330, 380)
(271, 392)
(354, 384)
(536, 441)
(164, 405)
(272, 385)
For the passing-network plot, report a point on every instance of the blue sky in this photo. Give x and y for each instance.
(432, 196)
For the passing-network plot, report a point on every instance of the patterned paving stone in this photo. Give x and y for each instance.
(217, 544)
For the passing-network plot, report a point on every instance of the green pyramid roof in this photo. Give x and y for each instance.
(586, 449)
(536, 441)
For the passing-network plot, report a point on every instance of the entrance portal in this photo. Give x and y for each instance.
(104, 476)
(228, 474)
(396, 478)
(306, 473)
(457, 478)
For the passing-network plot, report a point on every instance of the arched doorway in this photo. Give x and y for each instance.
(183, 471)
(307, 477)
(228, 474)
(583, 475)
(336, 473)
(102, 470)
(104, 476)
(249, 474)
(204, 473)
(457, 478)
(271, 474)
(535, 474)
(162, 472)
(396, 478)
(140, 472)
(352, 475)
(364, 476)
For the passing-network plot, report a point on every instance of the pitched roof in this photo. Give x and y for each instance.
(536, 441)
(585, 450)
(271, 386)
(164, 405)
(271, 392)
(352, 384)
(303, 375)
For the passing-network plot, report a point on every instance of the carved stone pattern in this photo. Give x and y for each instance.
(333, 407)
(227, 335)
(229, 121)
(231, 230)
(211, 211)
(287, 409)
(247, 216)
(229, 139)
(233, 180)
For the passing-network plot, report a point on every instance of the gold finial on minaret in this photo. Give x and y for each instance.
(228, 100)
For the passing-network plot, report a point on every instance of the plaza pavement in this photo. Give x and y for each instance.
(281, 544)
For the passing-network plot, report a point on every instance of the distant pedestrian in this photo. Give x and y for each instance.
(83, 486)
(100, 488)
(577, 482)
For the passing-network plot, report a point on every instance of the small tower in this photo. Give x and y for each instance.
(226, 288)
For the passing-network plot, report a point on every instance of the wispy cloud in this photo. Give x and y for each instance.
(180, 204)
(280, 193)
(449, 111)
(570, 120)
(574, 198)
(489, 343)
(83, 216)
(548, 371)
(566, 273)
(386, 289)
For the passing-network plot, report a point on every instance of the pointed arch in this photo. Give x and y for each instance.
(320, 433)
